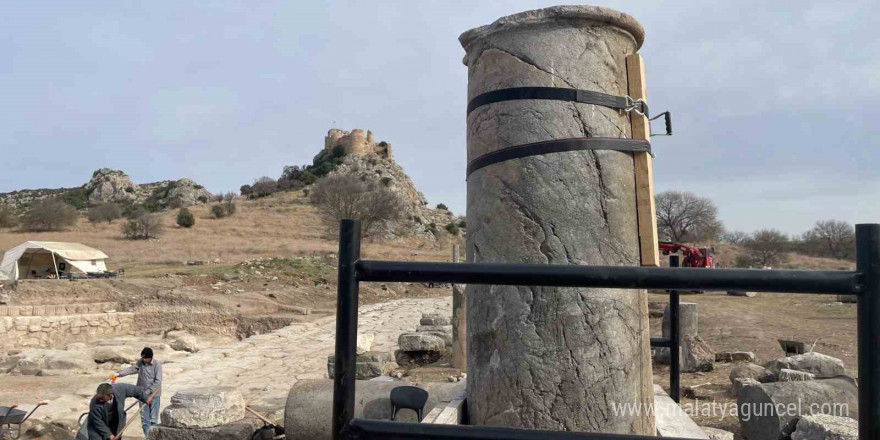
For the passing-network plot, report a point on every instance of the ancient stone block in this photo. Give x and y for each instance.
(39, 310)
(772, 410)
(182, 341)
(734, 356)
(13, 311)
(696, 355)
(752, 371)
(688, 320)
(364, 342)
(434, 319)
(368, 365)
(741, 382)
(240, 430)
(786, 375)
(26, 310)
(826, 427)
(204, 408)
(420, 342)
(50, 310)
(821, 365)
(443, 331)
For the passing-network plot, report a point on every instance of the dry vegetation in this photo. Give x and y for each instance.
(283, 225)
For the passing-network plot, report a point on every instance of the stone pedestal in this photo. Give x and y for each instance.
(543, 357)
(688, 320)
(205, 407)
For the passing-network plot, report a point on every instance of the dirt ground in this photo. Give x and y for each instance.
(730, 323)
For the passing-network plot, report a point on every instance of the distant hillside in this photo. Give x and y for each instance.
(115, 186)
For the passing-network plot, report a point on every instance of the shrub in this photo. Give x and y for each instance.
(185, 218)
(203, 199)
(264, 186)
(442, 206)
(462, 224)
(347, 197)
(8, 216)
(218, 211)
(49, 215)
(246, 190)
(452, 228)
(76, 197)
(142, 225)
(104, 212)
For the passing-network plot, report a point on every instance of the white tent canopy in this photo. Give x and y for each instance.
(37, 259)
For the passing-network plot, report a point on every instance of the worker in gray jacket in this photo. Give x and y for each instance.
(149, 380)
(107, 409)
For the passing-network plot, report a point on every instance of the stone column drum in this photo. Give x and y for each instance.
(538, 357)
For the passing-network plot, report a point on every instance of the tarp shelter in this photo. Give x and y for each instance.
(50, 259)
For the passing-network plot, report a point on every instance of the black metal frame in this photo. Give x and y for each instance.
(864, 282)
(674, 340)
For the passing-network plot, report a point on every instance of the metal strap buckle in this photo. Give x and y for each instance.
(636, 105)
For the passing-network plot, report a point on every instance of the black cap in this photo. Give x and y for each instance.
(147, 352)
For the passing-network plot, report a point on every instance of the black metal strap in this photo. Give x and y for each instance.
(558, 94)
(558, 146)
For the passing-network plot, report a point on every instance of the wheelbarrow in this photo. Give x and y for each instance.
(11, 420)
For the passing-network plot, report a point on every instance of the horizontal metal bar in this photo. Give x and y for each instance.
(631, 277)
(661, 342)
(362, 429)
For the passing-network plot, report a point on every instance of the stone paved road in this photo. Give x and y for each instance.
(264, 367)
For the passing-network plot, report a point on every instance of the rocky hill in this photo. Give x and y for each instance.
(115, 186)
(356, 153)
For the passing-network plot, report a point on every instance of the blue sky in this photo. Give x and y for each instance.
(772, 101)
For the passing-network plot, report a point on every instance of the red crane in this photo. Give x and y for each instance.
(692, 257)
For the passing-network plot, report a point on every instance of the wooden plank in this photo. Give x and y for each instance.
(644, 168)
(432, 415)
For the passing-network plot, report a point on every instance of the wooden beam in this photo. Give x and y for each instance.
(644, 168)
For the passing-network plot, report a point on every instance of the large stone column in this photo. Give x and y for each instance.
(554, 358)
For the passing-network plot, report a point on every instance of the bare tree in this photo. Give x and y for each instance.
(104, 212)
(684, 216)
(767, 247)
(736, 238)
(142, 225)
(342, 196)
(831, 238)
(49, 215)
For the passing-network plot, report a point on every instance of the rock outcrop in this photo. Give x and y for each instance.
(114, 186)
(108, 185)
(417, 218)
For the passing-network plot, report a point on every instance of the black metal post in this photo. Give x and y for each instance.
(625, 277)
(346, 326)
(674, 340)
(868, 265)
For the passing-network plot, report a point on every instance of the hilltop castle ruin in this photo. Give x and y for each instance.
(355, 142)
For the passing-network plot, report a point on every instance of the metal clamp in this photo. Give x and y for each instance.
(635, 105)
